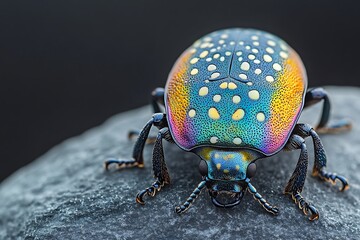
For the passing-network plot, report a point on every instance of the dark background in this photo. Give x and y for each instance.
(66, 66)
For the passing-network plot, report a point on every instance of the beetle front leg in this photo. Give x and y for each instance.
(314, 96)
(297, 180)
(159, 167)
(191, 198)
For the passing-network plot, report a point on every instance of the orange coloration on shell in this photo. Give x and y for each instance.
(287, 100)
(178, 92)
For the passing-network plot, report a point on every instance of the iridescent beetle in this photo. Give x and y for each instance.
(232, 98)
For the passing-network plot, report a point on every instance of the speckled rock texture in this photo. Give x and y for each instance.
(66, 194)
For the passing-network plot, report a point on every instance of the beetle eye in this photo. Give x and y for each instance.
(251, 170)
(203, 168)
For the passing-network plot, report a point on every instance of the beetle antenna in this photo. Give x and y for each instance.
(268, 207)
(192, 197)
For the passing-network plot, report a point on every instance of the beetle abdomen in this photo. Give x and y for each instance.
(235, 88)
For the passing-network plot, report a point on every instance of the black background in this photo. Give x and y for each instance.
(66, 66)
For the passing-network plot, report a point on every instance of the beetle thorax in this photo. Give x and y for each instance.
(227, 164)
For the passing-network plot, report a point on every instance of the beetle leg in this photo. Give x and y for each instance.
(158, 120)
(159, 167)
(267, 206)
(314, 96)
(185, 206)
(297, 180)
(135, 134)
(157, 99)
(305, 130)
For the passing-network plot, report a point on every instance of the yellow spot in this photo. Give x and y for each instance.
(213, 113)
(218, 166)
(254, 94)
(260, 117)
(216, 155)
(204, 54)
(194, 60)
(192, 113)
(232, 85)
(224, 85)
(237, 167)
(194, 71)
(238, 114)
(203, 91)
(226, 171)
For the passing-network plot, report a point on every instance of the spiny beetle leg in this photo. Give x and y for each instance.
(134, 134)
(150, 191)
(332, 177)
(314, 96)
(121, 163)
(305, 206)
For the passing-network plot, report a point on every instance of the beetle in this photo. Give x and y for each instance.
(232, 98)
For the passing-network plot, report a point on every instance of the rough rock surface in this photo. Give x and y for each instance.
(66, 194)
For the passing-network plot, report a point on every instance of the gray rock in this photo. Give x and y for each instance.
(66, 194)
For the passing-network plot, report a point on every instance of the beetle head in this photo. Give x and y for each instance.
(225, 173)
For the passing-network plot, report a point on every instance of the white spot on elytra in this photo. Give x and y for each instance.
(237, 141)
(241, 42)
(249, 83)
(267, 58)
(214, 140)
(204, 54)
(192, 113)
(221, 41)
(257, 71)
(224, 36)
(248, 47)
(270, 50)
(254, 95)
(194, 71)
(254, 50)
(194, 60)
(260, 117)
(227, 53)
(215, 75)
(254, 37)
(232, 43)
(257, 61)
(251, 56)
(207, 39)
(239, 53)
(236, 99)
(217, 98)
(277, 67)
(245, 66)
(240, 59)
(283, 46)
(203, 91)
(242, 76)
(211, 67)
(269, 78)
(208, 59)
(204, 45)
(216, 56)
(256, 43)
(284, 55)
(222, 58)
(271, 43)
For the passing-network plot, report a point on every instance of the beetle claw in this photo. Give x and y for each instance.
(121, 163)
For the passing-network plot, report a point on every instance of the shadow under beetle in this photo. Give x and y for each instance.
(232, 98)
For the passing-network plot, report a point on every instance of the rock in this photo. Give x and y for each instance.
(66, 193)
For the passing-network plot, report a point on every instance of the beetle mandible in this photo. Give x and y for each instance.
(232, 98)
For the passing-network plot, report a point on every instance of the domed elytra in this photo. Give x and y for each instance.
(203, 168)
(251, 170)
(243, 90)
